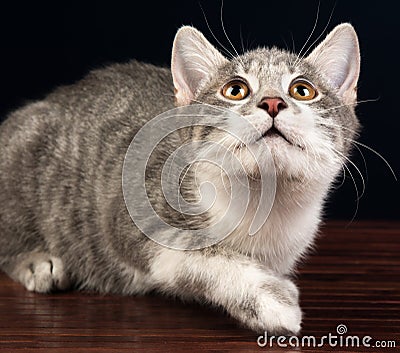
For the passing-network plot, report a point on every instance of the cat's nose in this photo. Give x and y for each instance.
(272, 105)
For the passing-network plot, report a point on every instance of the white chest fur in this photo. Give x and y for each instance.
(288, 231)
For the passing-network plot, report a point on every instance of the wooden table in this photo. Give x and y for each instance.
(352, 278)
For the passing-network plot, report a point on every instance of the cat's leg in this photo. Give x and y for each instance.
(38, 271)
(258, 298)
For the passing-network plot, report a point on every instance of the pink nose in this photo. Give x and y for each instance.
(272, 105)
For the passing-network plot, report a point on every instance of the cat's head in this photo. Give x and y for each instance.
(302, 106)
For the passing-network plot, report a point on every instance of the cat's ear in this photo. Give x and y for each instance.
(193, 60)
(338, 59)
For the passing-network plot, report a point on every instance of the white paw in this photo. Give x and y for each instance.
(277, 317)
(44, 273)
(273, 307)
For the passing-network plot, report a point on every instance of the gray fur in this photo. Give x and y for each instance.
(61, 166)
(63, 220)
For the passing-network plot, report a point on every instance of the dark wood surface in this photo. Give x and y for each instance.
(352, 279)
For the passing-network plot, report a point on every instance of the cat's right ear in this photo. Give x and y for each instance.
(194, 58)
(338, 59)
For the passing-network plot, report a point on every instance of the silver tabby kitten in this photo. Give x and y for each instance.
(63, 220)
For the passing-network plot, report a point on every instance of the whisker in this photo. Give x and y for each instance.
(357, 193)
(331, 124)
(350, 104)
(358, 170)
(220, 143)
(309, 37)
(228, 150)
(344, 177)
(223, 178)
(226, 35)
(307, 147)
(364, 162)
(378, 154)
(227, 52)
(322, 33)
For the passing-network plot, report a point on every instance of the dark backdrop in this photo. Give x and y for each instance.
(44, 45)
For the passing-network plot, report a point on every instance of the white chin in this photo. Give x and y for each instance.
(289, 160)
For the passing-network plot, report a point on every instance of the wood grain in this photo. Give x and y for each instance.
(351, 278)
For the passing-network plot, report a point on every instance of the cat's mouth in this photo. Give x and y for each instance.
(272, 132)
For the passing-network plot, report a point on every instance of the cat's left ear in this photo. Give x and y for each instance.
(338, 59)
(194, 58)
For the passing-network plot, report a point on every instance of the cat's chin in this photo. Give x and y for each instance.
(284, 153)
(289, 161)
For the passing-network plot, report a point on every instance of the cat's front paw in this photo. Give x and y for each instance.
(273, 308)
(40, 272)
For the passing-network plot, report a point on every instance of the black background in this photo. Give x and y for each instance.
(46, 45)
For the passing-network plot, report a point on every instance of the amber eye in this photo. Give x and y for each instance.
(235, 90)
(302, 90)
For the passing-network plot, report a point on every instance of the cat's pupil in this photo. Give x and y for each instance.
(236, 89)
(303, 91)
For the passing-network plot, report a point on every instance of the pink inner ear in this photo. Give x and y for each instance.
(183, 95)
(193, 59)
(182, 98)
(338, 59)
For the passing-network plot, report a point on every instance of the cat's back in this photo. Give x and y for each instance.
(133, 89)
(116, 99)
(142, 90)
(80, 129)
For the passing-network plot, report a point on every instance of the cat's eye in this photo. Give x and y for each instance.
(235, 90)
(302, 90)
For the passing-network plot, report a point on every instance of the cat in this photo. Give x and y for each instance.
(63, 220)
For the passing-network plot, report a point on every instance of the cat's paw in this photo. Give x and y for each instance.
(43, 273)
(274, 309)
